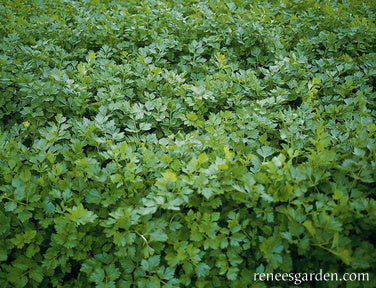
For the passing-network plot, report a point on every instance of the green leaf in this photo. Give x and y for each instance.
(265, 151)
(202, 270)
(145, 126)
(150, 263)
(232, 273)
(174, 204)
(81, 216)
(10, 206)
(97, 275)
(147, 210)
(158, 236)
(36, 274)
(207, 192)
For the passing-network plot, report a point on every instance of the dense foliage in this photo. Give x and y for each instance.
(186, 143)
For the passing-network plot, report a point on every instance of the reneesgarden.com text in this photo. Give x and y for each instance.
(298, 278)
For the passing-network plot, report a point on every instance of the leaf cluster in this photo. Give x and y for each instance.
(186, 143)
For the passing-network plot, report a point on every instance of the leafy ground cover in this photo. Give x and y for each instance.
(186, 143)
